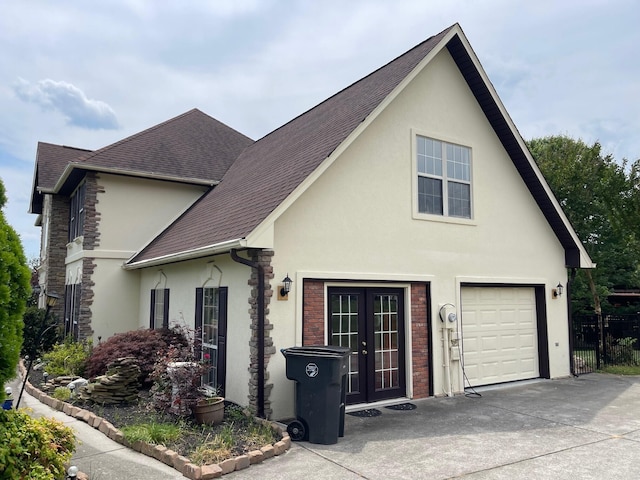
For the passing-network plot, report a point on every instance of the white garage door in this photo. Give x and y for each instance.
(499, 334)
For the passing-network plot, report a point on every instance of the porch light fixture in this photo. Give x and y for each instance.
(286, 287)
(557, 292)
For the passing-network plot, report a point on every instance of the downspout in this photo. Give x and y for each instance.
(572, 366)
(261, 321)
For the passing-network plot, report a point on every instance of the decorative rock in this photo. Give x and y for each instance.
(210, 471)
(242, 462)
(279, 448)
(192, 471)
(119, 385)
(256, 456)
(228, 465)
(179, 462)
(268, 451)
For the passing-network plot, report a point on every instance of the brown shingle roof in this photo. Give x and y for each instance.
(190, 146)
(51, 161)
(269, 170)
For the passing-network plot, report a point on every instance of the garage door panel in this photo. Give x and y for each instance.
(499, 334)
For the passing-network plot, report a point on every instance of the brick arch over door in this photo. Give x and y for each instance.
(313, 329)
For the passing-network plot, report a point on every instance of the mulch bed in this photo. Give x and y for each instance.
(193, 434)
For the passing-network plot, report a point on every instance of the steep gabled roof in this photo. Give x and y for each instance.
(51, 161)
(275, 168)
(268, 171)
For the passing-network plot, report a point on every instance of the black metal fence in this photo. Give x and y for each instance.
(604, 341)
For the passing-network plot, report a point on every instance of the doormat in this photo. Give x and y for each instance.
(369, 412)
(402, 406)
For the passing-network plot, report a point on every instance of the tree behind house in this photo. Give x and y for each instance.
(602, 201)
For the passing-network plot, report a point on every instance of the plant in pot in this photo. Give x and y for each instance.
(209, 407)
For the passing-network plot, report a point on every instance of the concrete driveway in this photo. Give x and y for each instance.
(577, 428)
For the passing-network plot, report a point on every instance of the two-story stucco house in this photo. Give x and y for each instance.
(406, 210)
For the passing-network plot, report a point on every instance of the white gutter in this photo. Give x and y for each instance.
(130, 173)
(215, 249)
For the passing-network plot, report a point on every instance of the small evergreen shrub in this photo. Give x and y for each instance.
(34, 448)
(68, 358)
(33, 319)
(144, 345)
(62, 393)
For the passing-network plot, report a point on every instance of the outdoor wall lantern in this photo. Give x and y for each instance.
(286, 288)
(557, 292)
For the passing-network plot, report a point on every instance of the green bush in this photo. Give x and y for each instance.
(14, 291)
(68, 358)
(620, 351)
(33, 319)
(34, 448)
(62, 393)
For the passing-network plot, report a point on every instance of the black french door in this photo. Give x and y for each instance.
(370, 321)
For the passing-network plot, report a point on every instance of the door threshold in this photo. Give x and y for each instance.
(379, 404)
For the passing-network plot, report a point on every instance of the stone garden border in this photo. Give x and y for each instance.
(166, 456)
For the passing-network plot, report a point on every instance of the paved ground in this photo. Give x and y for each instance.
(582, 428)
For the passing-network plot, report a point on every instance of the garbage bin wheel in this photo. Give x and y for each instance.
(296, 430)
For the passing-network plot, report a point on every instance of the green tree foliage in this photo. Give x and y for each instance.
(14, 291)
(601, 198)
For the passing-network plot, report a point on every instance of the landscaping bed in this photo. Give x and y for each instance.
(238, 434)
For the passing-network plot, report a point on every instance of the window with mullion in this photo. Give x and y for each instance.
(444, 172)
(211, 323)
(76, 212)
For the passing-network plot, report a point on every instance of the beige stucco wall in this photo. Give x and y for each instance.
(357, 222)
(131, 212)
(182, 279)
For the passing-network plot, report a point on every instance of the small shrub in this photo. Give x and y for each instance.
(144, 345)
(68, 358)
(187, 381)
(34, 448)
(156, 433)
(620, 351)
(33, 319)
(62, 393)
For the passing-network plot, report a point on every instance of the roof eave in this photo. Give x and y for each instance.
(67, 180)
(209, 250)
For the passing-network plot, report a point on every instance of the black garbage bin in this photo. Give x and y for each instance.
(320, 374)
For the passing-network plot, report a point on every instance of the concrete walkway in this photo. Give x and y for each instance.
(577, 428)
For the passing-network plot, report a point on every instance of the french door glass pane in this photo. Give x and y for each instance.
(344, 322)
(386, 336)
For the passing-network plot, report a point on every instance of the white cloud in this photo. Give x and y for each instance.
(70, 101)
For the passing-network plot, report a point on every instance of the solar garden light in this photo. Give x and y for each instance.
(72, 472)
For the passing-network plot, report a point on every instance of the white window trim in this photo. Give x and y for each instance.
(416, 214)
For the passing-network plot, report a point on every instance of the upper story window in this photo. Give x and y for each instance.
(76, 213)
(444, 178)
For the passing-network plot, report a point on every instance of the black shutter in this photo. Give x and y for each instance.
(152, 318)
(222, 337)
(165, 316)
(77, 294)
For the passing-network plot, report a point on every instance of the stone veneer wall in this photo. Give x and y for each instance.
(57, 212)
(263, 257)
(313, 328)
(91, 234)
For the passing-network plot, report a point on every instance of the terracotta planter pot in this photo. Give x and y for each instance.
(210, 411)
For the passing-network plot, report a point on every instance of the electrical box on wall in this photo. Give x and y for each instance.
(448, 315)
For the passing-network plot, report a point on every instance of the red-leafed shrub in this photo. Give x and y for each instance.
(145, 345)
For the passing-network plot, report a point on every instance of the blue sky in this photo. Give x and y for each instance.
(88, 74)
